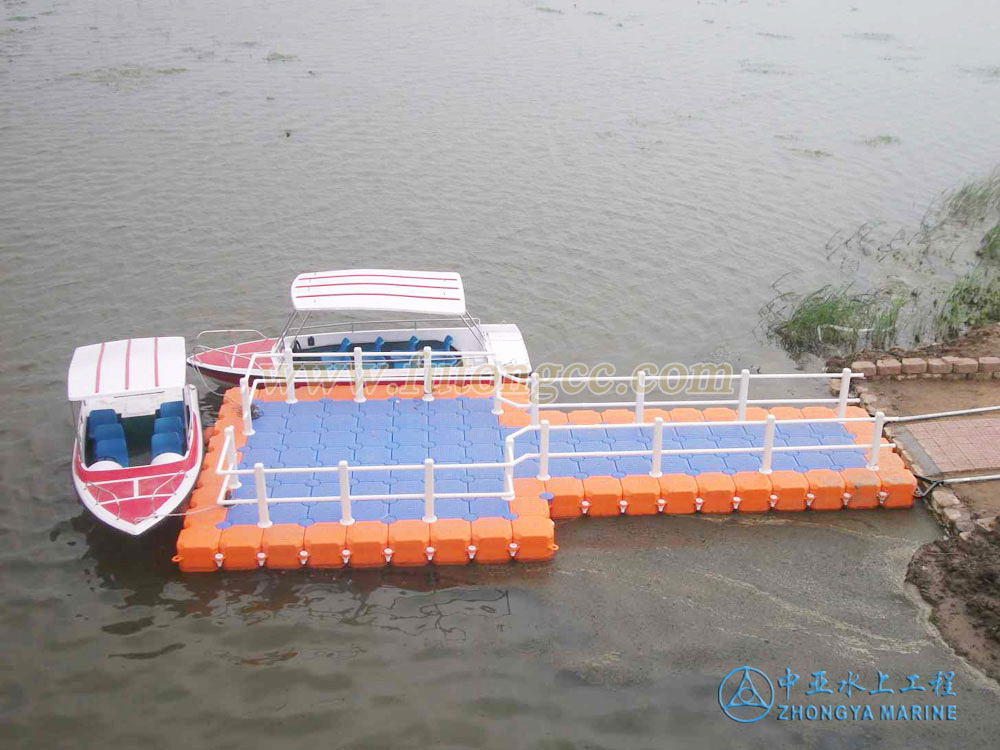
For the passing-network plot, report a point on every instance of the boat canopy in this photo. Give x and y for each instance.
(127, 367)
(366, 289)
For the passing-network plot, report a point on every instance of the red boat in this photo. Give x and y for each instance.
(138, 445)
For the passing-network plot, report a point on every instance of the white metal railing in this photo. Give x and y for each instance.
(642, 382)
(97, 488)
(227, 466)
(200, 348)
(349, 327)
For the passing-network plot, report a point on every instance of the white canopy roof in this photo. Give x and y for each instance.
(120, 368)
(438, 293)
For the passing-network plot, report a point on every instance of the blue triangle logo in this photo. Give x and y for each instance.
(746, 694)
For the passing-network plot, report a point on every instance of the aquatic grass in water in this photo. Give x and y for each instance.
(972, 301)
(872, 36)
(764, 68)
(881, 140)
(812, 153)
(125, 77)
(834, 319)
(974, 200)
(989, 247)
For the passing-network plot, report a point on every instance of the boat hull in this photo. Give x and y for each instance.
(229, 364)
(135, 499)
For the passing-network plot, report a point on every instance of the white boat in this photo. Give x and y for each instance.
(138, 446)
(462, 348)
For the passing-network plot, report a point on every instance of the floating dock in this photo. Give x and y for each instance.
(468, 473)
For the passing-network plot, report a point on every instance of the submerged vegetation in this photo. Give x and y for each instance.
(973, 300)
(937, 281)
(812, 153)
(989, 246)
(125, 77)
(837, 318)
(881, 140)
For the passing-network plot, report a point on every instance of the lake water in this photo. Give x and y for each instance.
(624, 180)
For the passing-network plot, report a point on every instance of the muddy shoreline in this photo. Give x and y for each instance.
(960, 579)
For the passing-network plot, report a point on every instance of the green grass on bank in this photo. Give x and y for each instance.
(972, 301)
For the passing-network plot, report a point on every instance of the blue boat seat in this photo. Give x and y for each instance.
(110, 431)
(112, 450)
(168, 424)
(99, 417)
(337, 361)
(166, 442)
(404, 362)
(370, 363)
(172, 409)
(446, 346)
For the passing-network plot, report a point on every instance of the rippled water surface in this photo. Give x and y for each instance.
(624, 180)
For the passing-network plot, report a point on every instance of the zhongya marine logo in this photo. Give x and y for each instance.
(746, 695)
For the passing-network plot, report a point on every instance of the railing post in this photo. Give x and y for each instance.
(346, 519)
(640, 397)
(533, 392)
(245, 404)
(508, 457)
(497, 391)
(428, 376)
(289, 378)
(741, 408)
(876, 445)
(765, 463)
(429, 516)
(263, 517)
(845, 392)
(543, 452)
(656, 470)
(234, 479)
(359, 377)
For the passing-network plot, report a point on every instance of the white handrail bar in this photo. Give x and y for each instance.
(561, 454)
(702, 376)
(641, 380)
(716, 402)
(352, 498)
(335, 356)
